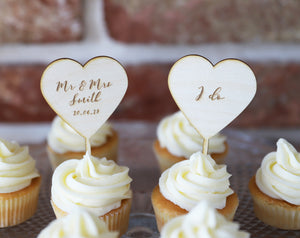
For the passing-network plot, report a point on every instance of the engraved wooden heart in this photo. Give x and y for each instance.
(84, 96)
(211, 96)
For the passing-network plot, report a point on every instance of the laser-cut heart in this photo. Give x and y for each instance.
(84, 96)
(211, 96)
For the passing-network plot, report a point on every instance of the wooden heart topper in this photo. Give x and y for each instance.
(84, 96)
(211, 96)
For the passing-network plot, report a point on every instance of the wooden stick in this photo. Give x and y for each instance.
(87, 146)
(205, 146)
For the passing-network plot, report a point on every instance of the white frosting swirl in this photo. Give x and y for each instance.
(176, 134)
(96, 184)
(78, 224)
(63, 138)
(199, 178)
(279, 174)
(202, 222)
(17, 167)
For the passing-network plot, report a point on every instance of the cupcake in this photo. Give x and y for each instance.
(65, 143)
(177, 140)
(202, 221)
(98, 185)
(188, 182)
(20, 184)
(275, 188)
(80, 223)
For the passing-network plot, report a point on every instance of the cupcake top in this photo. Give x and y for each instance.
(17, 167)
(196, 179)
(203, 222)
(63, 138)
(279, 174)
(78, 224)
(176, 134)
(96, 184)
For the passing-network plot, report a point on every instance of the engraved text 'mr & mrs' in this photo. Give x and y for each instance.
(93, 86)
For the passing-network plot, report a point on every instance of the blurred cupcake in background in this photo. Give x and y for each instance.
(202, 221)
(80, 223)
(177, 140)
(65, 143)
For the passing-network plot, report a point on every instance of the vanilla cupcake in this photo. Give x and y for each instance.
(80, 223)
(98, 185)
(65, 143)
(202, 221)
(275, 188)
(177, 140)
(19, 184)
(188, 182)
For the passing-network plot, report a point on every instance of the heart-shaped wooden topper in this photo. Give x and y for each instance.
(211, 96)
(84, 96)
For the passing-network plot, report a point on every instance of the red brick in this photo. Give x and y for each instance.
(40, 21)
(277, 101)
(148, 96)
(199, 21)
(276, 104)
(20, 96)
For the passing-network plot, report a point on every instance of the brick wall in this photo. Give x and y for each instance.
(147, 38)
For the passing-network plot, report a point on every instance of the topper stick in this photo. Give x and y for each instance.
(205, 142)
(87, 146)
(205, 146)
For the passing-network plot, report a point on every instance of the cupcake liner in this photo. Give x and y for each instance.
(277, 216)
(232, 203)
(19, 206)
(274, 212)
(163, 216)
(116, 220)
(166, 210)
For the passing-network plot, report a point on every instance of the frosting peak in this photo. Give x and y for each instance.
(79, 224)
(7, 149)
(202, 221)
(17, 167)
(176, 134)
(96, 184)
(287, 156)
(89, 167)
(199, 178)
(206, 166)
(279, 174)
